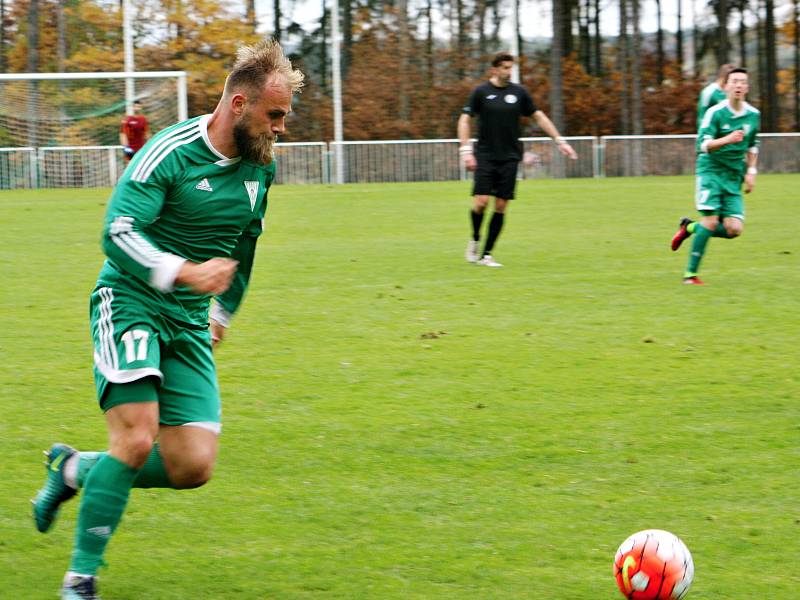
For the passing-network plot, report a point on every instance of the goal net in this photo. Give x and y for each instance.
(84, 109)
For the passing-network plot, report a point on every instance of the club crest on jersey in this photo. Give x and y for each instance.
(510, 98)
(252, 191)
(746, 128)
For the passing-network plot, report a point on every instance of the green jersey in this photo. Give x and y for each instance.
(178, 200)
(719, 121)
(709, 96)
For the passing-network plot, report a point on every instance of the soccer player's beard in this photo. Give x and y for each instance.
(254, 148)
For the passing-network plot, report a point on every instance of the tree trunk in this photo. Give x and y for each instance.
(723, 45)
(498, 19)
(250, 14)
(347, 35)
(33, 36)
(742, 40)
(276, 23)
(2, 36)
(659, 45)
(325, 24)
(429, 45)
(598, 41)
(796, 39)
(33, 67)
(695, 43)
(623, 53)
(760, 56)
(567, 11)
(404, 103)
(556, 75)
(636, 71)
(771, 67)
(461, 37)
(481, 8)
(679, 39)
(584, 36)
(518, 33)
(61, 38)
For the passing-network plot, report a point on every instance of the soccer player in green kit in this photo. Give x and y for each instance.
(713, 93)
(727, 146)
(181, 229)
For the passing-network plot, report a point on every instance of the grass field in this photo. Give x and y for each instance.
(401, 424)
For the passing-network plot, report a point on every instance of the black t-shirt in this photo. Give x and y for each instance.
(498, 110)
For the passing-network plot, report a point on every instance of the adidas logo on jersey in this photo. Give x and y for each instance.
(204, 185)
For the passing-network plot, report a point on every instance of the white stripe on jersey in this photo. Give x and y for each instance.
(135, 240)
(125, 375)
(105, 357)
(162, 148)
(121, 225)
(710, 113)
(101, 327)
(708, 91)
(156, 162)
(108, 349)
(132, 248)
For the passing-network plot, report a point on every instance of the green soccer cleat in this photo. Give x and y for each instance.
(55, 490)
(76, 587)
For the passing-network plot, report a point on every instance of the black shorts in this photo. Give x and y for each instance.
(495, 178)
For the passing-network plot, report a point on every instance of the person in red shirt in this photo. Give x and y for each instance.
(134, 131)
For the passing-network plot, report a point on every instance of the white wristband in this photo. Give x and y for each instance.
(465, 150)
(752, 171)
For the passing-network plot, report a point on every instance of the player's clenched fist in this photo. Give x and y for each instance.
(736, 136)
(211, 277)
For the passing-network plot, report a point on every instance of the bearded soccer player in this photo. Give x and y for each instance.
(499, 105)
(134, 131)
(727, 146)
(181, 229)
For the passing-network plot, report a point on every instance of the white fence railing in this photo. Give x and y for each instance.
(404, 161)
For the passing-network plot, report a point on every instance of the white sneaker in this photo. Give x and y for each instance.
(488, 261)
(471, 253)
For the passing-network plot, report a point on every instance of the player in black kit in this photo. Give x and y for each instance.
(498, 104)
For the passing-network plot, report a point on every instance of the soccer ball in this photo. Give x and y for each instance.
(653, 565)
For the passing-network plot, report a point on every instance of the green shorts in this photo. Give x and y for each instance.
(719, 194)
(133, 343)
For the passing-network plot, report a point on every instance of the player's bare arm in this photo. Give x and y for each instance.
(547, 126)
(464, 130)
(752, 170)
(211, 277)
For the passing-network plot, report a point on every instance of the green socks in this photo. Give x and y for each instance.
(153, 474)
(106, 483)
(699, 241)
(104, 498)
